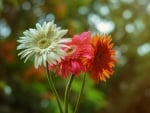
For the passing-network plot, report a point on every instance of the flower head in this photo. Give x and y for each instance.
(79, 52)
(103, 61)
(44, 43)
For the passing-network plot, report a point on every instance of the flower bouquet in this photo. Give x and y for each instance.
(68, 57)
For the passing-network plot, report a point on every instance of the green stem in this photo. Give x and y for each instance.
(50, 81)
(67, 93)
(79, 98)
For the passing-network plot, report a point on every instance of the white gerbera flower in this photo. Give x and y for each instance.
(44, 43)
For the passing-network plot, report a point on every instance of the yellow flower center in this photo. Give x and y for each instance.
(43, 43)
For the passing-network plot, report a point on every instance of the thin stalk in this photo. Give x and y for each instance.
(80, 94)
(66, 98)
(50, 81)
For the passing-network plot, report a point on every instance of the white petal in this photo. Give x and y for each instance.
(33, 32)
(26, 50)
(51, 26)
(60, 34)
(64, 40)
(21, 46)
(52, 55)
(23, 41)
(26, 54)
(36, 61)
(38, 26)
(51, 62)
(60, 52)
(64, 46)
(28, 57)
(39, 60)
(44, 25)
(26, 33)
(23, 37)
(58, 58)
(44, 60)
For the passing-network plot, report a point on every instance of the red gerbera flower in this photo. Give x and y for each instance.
(79, 51)
(103, 61)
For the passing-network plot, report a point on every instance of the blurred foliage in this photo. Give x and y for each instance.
(24, 89)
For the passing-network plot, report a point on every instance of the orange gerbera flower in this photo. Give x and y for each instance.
(103, 61)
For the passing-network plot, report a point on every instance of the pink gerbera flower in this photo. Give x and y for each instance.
(79, 51)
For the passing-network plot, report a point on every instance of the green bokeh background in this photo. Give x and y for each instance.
(25, 90)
